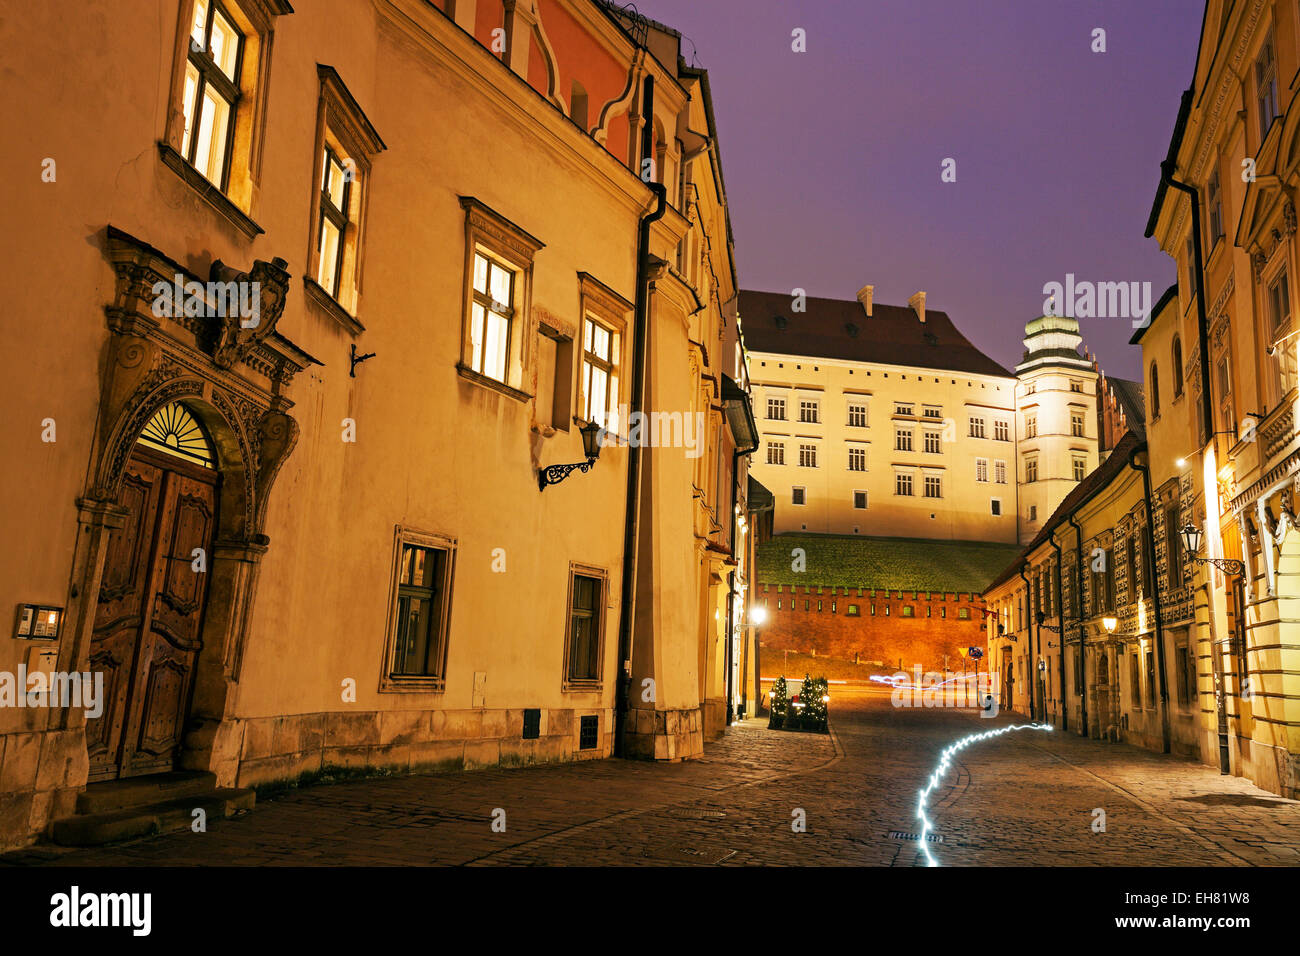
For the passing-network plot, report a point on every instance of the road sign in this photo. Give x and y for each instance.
(976, 652)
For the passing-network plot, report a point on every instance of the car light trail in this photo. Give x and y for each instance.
(940, 770)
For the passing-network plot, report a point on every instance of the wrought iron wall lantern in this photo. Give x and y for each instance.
(1191, 536)
(593, 436)
(1050, 628)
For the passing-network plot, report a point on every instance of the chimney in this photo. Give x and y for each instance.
(917, 302)
(864, 296)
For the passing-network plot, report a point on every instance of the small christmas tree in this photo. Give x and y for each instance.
(813, 697)
(780, 703)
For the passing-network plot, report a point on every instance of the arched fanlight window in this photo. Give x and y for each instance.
(1178, 366)
(174, 430)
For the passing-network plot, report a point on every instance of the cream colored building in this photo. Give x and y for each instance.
(313, 533)
(1225, 352)
(1056, 406)
(880, 420)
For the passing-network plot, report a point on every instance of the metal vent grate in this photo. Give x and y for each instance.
(929, 837)
(588, 732)
(532, 723)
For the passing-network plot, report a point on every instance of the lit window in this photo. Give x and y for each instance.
(600, 347)
(336, 189)
(211, 91)
(492, 311)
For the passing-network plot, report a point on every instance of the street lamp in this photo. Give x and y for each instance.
(1052, 628)
(593, 437)
(1191, 536)
(757, 615)
(1110, 623)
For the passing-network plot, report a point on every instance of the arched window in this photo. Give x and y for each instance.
(1178, 366)
(1154, 382)
(578, 105)
(174, 430)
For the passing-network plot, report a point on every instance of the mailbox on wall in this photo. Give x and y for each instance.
(38, 622)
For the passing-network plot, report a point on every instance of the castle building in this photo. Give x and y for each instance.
(880, 420)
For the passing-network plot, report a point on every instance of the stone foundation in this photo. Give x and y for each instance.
(41, 773)
(664, 734)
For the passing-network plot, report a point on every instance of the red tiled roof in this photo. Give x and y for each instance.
(837, 329)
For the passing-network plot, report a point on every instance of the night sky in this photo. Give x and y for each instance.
(832, 157)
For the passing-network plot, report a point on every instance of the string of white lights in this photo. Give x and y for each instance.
(939, 771)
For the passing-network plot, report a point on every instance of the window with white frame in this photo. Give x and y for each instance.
(1031, 469)
(775, 452)
(808, 456)
(903, 484)
(1080, 465)
(903, 439)
(798, 495)
(857, 459)
(905, 408)
(600, 358)
(857, 415)
(932, 443)
(995, 506)
(932, 411)
(809, 410)
(933, 486)
(776, 409)
(212, 93)
(1000, 472)
(981, 469)
(1031, 426)
(416, 648)
(859, 500)
(1076, 424)
(1001, 431)
(1266, 85)
(976, 428)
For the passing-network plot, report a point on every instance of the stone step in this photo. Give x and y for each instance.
(139, 791)
(166, 816)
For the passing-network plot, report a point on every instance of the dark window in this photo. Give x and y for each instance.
(1130, 547)
(584, 628)
(588, 732)
(1173, 544)
(1178, 366)
(420, 584)
(1135, 679)
(1154, 381)
(532, 723)
(1151, 678)
(796, 496)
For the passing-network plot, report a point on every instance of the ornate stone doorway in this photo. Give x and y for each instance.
(149, 618)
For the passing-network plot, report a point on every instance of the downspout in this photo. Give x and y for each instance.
(1032, 676)
(1060, 617)
(1149, 541)
(1202, 325)
(632, 511)
(1078, 598)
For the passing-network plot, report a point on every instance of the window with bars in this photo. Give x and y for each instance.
(808, 456)
(857, 459)
(776, 453)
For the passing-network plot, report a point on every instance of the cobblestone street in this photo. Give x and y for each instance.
(1024, 798)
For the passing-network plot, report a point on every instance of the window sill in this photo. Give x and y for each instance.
(582, 687)
(209, 191)
(400, 684)
(329, 305)
(480, 379)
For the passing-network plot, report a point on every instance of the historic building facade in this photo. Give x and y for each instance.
(880, 420)
(1225, 211)
(305, 340)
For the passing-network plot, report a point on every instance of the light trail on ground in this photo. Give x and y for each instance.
(939, 771)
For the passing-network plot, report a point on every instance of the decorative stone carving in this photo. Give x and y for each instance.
(236, 335)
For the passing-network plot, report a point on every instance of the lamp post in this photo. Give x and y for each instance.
(1053, 628)
(593, 437)
(1191, 536)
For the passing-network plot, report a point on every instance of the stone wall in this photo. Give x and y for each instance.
(805, 622)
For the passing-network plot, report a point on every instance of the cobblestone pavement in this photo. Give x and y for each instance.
(1026, 797)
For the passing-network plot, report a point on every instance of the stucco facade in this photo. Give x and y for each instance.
(374, 442)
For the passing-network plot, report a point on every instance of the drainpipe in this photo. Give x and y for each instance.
(1155, 597)
(632, 512)
(1078, 597)
(1032, 676)
(1060, 617)
(1202, 325)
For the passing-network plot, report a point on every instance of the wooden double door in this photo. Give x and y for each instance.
(149, 620)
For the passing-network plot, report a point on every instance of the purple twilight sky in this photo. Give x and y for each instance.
(832, 157)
